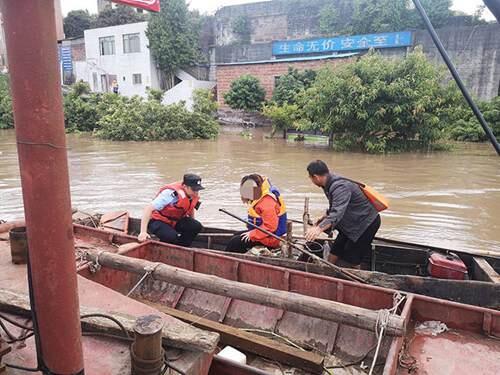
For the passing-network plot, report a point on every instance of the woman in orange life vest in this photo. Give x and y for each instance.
(170, 216)
(266, 209)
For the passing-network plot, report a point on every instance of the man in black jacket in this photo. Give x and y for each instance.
(349, 211)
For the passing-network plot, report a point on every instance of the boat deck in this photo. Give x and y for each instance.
(102, 356)
(454, 352)
(469, 326)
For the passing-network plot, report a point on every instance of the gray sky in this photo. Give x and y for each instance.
(211, 6)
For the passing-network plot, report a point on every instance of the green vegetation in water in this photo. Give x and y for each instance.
(245, 93)
(115, 117)
(379, 105)
(6, 115)
(246, 134)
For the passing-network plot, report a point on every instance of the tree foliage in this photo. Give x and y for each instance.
(119, 118)
(289, 85)
(6, 114)
(378, 104)
(463, 125)
(245, 93)
(76, 22)
(372, 16)
(283, 116)
(204, 102)
(136, 119)
(80, 108)
(119, 15)
(174, 37)
(241, 26)
(329, 20)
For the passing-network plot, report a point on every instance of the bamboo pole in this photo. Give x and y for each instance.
(293, 302)
(338, 271)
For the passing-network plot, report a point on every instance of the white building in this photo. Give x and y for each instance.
(121, 54)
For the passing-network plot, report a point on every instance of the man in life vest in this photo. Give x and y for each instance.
(350, 212)
(170, 216)
(266, 209)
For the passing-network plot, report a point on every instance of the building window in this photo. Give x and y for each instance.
(107, 45)
(136, 79)
(131, 43)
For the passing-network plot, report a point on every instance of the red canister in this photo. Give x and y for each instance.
(447, 266)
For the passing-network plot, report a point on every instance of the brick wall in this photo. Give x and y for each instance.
(266, 73)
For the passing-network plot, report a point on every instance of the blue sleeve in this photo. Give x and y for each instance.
(165, 198)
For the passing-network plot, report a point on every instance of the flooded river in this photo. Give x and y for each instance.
(442, 199)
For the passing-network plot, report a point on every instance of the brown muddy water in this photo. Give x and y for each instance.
(449, 199)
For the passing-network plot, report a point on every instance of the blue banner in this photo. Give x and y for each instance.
(342, 43)
(66, 58)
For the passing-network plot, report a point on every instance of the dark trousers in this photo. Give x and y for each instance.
(353, 252)
(237, 245)
(182, 234)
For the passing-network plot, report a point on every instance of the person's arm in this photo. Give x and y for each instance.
(146, 216)
(165, 198)
(340, 196)
(270, 220)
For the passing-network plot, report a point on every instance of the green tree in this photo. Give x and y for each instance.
(245, 93)
(120, 15)
(289, 85)
(242, 27)
(174, 38)
(204, 102)
(76, 22)
(372, 16)
(6, 114)
(378, 104)
(283, 117)
(80, 108)
(154, 94)
(329, 21)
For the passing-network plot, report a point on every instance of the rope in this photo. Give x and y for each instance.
(94, 266)
(149, 271)
(382, 322)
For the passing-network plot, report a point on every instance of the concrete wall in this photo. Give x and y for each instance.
(184, 90)
(476, 53)
(277, 19)
(121, 64)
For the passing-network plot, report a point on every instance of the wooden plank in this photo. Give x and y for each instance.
(319, 308)
(250, 342)
(185, 337)
(483, 271)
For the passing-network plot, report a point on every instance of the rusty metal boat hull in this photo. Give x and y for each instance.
(470, 328)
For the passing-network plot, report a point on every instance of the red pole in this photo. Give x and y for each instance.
(30, 32)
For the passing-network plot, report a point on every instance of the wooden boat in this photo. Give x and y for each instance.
(392, 264)
(332, 321)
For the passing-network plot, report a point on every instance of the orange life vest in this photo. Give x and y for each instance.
(172, 213)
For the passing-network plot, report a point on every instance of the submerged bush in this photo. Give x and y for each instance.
(378, 104)
(119, 118)
(245, 93)
(141, 120)
(464, 126)
(6, 114)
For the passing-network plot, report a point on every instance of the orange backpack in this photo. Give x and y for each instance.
(378, 200)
